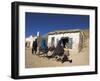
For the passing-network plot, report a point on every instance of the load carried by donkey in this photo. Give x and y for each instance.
(57, 52)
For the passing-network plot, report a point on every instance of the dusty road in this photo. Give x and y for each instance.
(34, 61)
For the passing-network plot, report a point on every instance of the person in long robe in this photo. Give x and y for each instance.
(59, 50)
(34, 46)
(43, 46)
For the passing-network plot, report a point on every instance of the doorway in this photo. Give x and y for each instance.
(66, 42)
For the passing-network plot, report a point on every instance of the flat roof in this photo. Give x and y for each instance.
(64, 31)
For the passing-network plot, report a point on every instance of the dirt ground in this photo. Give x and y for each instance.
(34, 61)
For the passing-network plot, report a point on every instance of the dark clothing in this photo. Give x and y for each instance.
(51, 48)
(34, 46)
(59, 50)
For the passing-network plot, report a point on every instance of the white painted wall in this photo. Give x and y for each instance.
(74, 36)
(30, 39)
(5, 41)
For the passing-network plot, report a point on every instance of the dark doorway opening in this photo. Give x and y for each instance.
(64, 40)
(67, 42)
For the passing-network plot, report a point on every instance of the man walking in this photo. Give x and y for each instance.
(34, 46)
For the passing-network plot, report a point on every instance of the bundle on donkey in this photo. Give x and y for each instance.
(50, 52)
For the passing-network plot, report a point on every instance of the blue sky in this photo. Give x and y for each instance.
(45, 22)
